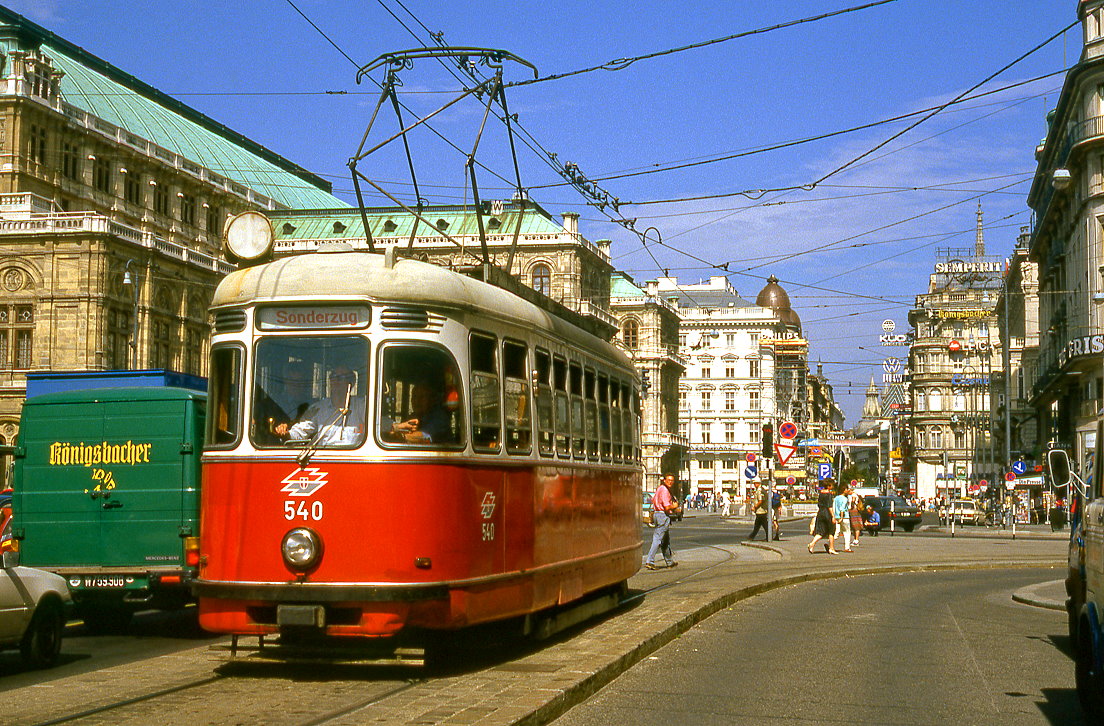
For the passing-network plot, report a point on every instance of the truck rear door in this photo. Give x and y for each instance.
(141, 514)
(57, 496)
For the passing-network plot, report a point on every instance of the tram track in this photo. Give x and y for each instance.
(124, 703)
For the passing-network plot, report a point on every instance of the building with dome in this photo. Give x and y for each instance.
(742, 373)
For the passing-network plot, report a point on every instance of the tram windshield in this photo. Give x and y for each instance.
(310, 391)
(419, 400)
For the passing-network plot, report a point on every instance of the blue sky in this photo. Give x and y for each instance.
(264, 71)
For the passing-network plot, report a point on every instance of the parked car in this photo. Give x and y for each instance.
(32, 612)
(892, 508)
(647, 507)
(963, 511)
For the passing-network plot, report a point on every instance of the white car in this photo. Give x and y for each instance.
(32, 613)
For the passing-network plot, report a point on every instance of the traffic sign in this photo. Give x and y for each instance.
(1010, 484)
(824, 471)
(788, 430)
(983, 483)
(750, 458)
(750, 471)
(1010, 476)
(784, 452)
(1019, 467)
(791, 480)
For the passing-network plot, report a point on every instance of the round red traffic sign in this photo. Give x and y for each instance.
(1010, 476)
(750, 458)
(791, 480)
(983, 483)
(954, 346)
(788, 430)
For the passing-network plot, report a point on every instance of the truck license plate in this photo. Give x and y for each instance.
(102, 581)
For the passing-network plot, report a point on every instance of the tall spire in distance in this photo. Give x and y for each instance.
(979, 242)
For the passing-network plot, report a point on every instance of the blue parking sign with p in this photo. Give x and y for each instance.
(824, 471)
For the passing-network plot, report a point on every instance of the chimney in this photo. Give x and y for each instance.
(571, 223)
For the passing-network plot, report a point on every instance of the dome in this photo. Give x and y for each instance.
(773, 296)
(789, 318)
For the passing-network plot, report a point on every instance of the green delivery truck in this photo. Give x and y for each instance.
(106, 494)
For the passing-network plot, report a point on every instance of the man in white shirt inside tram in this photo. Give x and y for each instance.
(340, 417)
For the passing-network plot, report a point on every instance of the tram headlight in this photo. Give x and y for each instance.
(301, 548)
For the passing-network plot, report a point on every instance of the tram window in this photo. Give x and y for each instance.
(578, 443)
(486, 422)
(309, 391)
(224, 393)
(591, 413)
(604, 427)
(563, 417)
(628, 418)
(515, 394)
(543, 397)
(419, 397)
(615, 420)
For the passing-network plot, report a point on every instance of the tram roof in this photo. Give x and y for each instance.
(365, 275)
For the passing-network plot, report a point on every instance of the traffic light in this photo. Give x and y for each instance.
(768, 441)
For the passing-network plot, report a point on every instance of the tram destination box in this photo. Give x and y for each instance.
(106, 494)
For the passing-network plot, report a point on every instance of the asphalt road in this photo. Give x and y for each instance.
(920, 648)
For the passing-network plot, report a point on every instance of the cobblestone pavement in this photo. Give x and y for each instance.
(530, 687)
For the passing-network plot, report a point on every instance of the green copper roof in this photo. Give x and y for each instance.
(340, 224)
(104, 91)
(621, 285)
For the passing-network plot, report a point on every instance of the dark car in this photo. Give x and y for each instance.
(894, 509)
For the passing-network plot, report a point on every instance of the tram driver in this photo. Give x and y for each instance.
(337, 420)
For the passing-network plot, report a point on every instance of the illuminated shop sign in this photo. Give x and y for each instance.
(960, 380)
(964, 313)
(957, 266)
(1077, 347)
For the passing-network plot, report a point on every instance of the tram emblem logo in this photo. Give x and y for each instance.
(488, 505)
(304, 482)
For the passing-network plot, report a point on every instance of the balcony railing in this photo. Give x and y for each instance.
(90, 222)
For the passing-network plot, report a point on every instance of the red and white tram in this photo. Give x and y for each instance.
(394, 447)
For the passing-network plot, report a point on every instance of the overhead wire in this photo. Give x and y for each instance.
(622, 63)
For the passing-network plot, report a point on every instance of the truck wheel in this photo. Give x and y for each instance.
(41, 644)
(1088, 676)
(102, 619)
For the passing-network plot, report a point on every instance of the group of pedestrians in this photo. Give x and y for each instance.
(840, 514)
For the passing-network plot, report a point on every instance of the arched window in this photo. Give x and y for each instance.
(542, 279)
(937, 437)
(935, 403)
(630, 332)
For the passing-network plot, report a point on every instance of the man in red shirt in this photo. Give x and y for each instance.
(664, 505)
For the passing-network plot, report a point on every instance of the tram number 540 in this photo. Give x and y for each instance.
(302, 511)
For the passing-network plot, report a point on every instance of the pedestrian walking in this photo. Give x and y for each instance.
(762, 509)
(776, 509)
(664, 506)
(823, 526)
(842, 515)
(855, 512)
(726, 505)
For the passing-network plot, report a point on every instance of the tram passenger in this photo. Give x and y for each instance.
(334, 421)
(430, 420)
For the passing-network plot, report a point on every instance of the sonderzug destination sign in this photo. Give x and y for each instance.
(63, 453)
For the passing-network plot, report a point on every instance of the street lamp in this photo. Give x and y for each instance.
(130, 279)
